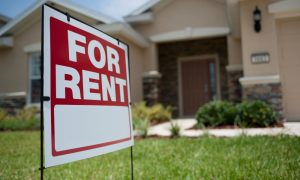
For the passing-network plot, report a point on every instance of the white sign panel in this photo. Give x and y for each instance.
(86, 76)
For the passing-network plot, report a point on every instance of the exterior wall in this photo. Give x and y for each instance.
(271, 93)
(150, 58)
(234, 68)
(260, 81)
(288, 30)
(234, 50)
(179, 15)
(170, 52)
(14, 61)
(234, 86)
(151, 87)
(136, 69)
(264, 41)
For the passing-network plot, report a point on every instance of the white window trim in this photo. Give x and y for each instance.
(29, 103)
(32, 48)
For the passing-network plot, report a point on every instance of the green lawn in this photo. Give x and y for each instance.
(182, 158)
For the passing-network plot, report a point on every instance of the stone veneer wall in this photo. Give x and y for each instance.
(12, 104)
(168, 54)
(234, 86)
(270, 93)
(151, 87)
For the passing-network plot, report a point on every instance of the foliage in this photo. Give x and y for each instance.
(216, 113)
(140, 111)
(27, 114)
(255, 114)
(3, 114)
(156, 113)
(259, 157)
(141, 126)
(25, 119)
(175, 129)
(16, 124)
(245, 114)
(159, 113)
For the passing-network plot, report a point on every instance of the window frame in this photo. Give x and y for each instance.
(31, 77)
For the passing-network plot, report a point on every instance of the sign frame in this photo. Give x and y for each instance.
(52, 158)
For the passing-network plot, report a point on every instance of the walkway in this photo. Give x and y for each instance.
(290, 128)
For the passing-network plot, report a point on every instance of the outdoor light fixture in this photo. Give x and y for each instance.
(257, 19)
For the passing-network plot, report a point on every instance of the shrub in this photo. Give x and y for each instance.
(3, 114)
(141, 126)
(174, 129)
(25, 119)
(159, 113)
(140, 111)
(27, 114)
(245, 114)
(156, 113)
(16, 124)
(216, 113)
(255, 114)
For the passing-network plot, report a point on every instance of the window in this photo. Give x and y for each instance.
(213, 80)
(34, 78)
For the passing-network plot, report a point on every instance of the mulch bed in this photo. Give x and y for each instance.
(195, 127)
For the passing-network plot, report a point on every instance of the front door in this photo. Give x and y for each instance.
(198, 84)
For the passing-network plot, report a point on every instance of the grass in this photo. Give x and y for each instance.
(182, 158)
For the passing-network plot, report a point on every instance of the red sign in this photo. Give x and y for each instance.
(88, 83)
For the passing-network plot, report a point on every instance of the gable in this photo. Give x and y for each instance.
(179, 15)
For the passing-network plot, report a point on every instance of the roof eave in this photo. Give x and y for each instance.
(97, 16)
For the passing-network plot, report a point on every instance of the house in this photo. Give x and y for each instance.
(183, 53)
(20, 47)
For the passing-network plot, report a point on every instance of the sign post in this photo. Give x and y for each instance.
(86, 109)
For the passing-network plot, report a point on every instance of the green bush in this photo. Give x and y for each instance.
(216, 113)
(27, 114)
(255, 114)
(141, 126)
(16, 124)
(156, 113)
(143, 116)
(159, 113)
(175, 130)
(245, 114)
(25, 119)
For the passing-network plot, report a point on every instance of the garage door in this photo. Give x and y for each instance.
(289, 47)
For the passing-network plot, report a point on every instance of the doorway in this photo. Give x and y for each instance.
(198, 83)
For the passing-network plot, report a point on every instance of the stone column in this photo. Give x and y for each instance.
(12, 103)
(271, 93)
(234, 73)
(151, 83)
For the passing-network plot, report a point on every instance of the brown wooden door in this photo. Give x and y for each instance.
(195, 85)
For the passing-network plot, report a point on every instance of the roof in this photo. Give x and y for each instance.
(4, 18)
(144, 7)
(31, 13)
(126, 30)
(151, 3)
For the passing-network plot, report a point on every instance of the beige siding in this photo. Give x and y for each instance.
(136, 69)
(264, 41)
(150, 58)
(14, 61)
(179, 15)
(289, 38)
(234, 50)
(136, 72)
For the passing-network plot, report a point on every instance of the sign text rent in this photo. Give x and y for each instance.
(85, 84)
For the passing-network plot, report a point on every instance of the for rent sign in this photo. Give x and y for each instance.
(86, 76)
